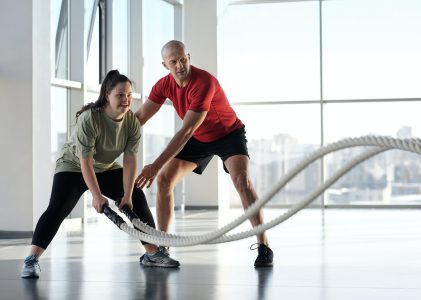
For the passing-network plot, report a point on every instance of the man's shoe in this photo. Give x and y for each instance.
(164, 249)
(264, 257)
(159, 259)
(30, 268)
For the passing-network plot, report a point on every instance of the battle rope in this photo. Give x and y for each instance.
(380, 143)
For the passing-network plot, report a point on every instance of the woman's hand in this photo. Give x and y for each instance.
(126, 201)
(98, 203)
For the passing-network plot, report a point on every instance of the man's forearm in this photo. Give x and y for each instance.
(173, 148)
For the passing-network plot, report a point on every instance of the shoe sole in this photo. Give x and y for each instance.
(152, 265)
(29, 276)
(264, 265)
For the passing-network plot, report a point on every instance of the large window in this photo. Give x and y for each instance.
(58, 120)
(158, 28)
(371, 49)
(59, 36)
(325, 70)
(273, 56)
(278, 138)
(390, 178)
(92, 37)
(120, 34)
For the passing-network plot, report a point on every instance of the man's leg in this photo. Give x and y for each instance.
(167, 178)
(237, 166)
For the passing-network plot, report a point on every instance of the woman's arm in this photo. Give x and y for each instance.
(129, 174)
(87, 167)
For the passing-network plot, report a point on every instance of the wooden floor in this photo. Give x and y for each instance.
(337, 254)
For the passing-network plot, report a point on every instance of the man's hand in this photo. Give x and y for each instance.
(147, 176)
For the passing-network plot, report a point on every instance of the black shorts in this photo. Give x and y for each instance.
(201, 153)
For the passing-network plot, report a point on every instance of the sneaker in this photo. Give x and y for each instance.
(264, 257)
(159, 259)
(163, 249)
(30, 268)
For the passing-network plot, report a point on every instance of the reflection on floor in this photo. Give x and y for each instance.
(339, 254)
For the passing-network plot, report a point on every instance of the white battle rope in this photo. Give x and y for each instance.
(380, 144)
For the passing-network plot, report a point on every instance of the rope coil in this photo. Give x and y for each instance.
(378, 144)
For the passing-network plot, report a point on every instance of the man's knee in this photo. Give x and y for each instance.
(242, 183)
(164, 181)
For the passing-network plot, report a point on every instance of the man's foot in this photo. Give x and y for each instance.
(164, 249)
(159, 259)
(264, 257)
(30, 268)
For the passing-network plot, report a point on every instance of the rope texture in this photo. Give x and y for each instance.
(377, 144)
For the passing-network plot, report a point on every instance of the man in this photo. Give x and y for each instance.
(210, 126)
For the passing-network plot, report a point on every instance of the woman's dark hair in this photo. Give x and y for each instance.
(112, 78)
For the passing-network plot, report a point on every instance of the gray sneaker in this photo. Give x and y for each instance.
(30, 268)
(163, 249)
(159, 259)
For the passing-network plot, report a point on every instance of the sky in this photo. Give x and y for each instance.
(371, 50)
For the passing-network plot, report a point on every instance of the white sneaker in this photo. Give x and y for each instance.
(30, 268)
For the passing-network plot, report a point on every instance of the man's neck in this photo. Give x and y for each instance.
(182, 83)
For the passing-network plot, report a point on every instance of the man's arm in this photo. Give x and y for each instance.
(146, 111)
(191, 122)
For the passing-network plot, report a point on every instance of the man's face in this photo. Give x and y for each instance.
(178, 63)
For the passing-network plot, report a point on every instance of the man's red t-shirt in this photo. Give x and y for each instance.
(202, 93)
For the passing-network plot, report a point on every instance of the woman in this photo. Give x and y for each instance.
(103, 131)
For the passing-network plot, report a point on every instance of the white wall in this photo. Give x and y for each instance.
(25, 93)
(200, 37)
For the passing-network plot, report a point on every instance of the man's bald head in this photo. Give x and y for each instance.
(171, 46)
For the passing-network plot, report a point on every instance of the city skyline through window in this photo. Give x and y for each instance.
(358, 77)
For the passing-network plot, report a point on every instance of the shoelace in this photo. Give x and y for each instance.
(32, 262)
(254, 246)
(165, 250)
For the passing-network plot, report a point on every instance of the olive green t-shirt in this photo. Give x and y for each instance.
(97, 135)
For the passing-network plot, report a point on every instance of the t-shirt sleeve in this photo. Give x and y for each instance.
(132, 146)
(86, 134)
(202, 95)
(157, 93)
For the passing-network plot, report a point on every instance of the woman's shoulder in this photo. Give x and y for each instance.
(91, 113)
(90, 117)
(131, 118)
(85, 115)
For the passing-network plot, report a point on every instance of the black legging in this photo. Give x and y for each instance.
(68, 187)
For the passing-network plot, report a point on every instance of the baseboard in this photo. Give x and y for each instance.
(4, 234)
(201, 207)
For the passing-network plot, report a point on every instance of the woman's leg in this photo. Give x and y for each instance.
(66, 191)
(111, 185)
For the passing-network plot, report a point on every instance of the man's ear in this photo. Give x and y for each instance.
(165, 66)
(188, 56)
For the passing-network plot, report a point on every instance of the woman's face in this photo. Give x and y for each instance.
(119, 100)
